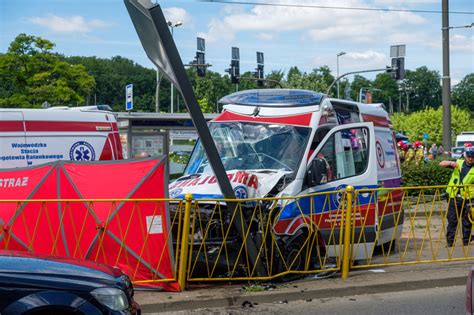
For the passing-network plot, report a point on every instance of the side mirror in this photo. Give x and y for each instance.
(316, 172)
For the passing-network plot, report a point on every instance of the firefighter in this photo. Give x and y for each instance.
(409, 154)
(419, 154)
(460, 197)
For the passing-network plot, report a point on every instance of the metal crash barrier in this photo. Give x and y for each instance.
(166, 243)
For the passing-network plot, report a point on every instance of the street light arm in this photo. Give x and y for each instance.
(354, 72)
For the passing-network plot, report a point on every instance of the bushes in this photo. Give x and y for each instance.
(425, 174)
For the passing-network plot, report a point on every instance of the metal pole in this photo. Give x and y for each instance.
(183, 257)
(157, 92)
(337, 62)
(446, 96)
(172, 85)
(346, 255)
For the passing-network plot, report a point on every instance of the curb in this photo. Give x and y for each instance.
(306, 294)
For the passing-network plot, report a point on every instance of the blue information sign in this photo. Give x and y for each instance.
(129, 97)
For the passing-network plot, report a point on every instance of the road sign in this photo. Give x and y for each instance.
(129, 97)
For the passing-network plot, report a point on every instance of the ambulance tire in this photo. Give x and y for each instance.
(293, 258)
(296, 257)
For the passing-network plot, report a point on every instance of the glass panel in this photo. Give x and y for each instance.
(345, 153)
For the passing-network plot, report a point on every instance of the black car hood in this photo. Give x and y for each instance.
(55, 273)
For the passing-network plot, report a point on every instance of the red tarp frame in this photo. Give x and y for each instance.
(135, 236)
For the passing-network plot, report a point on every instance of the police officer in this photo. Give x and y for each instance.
(460, 198)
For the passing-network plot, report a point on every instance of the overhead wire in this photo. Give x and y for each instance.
(313, 6)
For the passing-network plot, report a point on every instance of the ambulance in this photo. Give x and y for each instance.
(35, 136)
(284, 142)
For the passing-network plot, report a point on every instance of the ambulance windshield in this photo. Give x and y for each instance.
(253, 146)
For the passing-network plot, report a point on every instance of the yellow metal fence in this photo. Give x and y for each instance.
(245, 239)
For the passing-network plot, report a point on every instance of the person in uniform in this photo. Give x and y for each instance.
(461, 196)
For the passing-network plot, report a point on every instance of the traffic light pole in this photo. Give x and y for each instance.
(356, 72)
(446, 89)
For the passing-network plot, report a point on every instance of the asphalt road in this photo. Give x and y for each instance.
(445, 300)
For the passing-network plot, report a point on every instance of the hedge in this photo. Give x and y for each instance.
(426, 173)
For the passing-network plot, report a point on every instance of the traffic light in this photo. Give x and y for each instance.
(234, 69)
(200, 61)
(200, 58)
(259, 73)
(398, 65)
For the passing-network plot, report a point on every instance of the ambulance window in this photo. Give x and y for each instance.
(345, 153)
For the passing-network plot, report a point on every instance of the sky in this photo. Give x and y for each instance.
(302, 34)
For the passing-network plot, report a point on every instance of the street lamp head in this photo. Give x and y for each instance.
(341, 53)
(178, 24)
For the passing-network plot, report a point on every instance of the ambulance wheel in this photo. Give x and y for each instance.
(294, 256)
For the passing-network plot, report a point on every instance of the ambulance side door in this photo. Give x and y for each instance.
(346, 156)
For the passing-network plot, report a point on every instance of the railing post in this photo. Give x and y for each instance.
(346, 255)
(183, 257)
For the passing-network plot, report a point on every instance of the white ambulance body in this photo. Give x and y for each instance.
(277, 143)
(36, 136)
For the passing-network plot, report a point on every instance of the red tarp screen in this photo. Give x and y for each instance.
(135, 236)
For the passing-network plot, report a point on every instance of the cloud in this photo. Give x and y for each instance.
(365, 60)
(176, 15)
(314, 23)
(265, 36)
(71, 24)
(460, 43)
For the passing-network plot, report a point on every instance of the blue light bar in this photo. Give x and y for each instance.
(273, 98)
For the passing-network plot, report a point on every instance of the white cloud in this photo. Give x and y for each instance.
(71, 24)
(265, 36)
(404, 3)
(460, 43)
(317, 24)
(176, 15)
(365, 60)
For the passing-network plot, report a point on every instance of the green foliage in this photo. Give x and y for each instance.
(424, 174)
(430, 121)
(423, 88)
(31, 74)
(463, 93)
(317, 80)
(112, 75)
(388, 89)
(359, 83)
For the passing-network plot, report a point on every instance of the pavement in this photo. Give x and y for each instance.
(367, 281)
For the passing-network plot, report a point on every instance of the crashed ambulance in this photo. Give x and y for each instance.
(279, 142)
(36, 136)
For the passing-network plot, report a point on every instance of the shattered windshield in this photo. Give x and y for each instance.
(253, 146)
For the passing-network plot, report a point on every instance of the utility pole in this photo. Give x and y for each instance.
(446, 92)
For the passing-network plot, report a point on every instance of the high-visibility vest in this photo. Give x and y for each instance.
(454, 188)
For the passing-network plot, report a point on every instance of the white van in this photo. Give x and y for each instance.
(277, 143)
(464, 137)
(37, 136)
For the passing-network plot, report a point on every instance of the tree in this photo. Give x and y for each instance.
(112, 75)
(358, 83)
(388, 89)
(423, 88)
(463, 93)
(430, 121)
(30, 74)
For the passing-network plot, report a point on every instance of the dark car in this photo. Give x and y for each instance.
(34, 285)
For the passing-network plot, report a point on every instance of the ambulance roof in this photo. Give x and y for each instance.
(273, 98)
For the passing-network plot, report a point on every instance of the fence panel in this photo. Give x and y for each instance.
(133, 234)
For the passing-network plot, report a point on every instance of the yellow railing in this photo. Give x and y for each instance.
(134, 234)
(245, 239)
